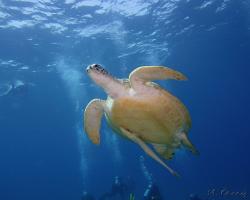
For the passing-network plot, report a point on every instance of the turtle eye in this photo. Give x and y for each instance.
(97, 67)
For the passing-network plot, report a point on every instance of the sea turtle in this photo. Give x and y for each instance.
(140, 110)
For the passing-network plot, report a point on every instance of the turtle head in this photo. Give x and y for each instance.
(98, 74)
(96, 68)
(112, 86)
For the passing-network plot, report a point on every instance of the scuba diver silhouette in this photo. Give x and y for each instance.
(15, 94)
(194, 197)
(87, 196)
(118, 190)
(15, 89)
(152, 193)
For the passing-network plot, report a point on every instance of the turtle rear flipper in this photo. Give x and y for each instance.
(147, 150)
(186, 142)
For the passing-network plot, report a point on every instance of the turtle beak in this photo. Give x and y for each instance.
(93, 66)
(88, 68)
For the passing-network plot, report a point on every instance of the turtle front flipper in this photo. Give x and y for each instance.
(147, 150)
(149, 73)
(92, 119)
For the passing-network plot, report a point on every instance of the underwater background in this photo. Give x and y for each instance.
(45, 47)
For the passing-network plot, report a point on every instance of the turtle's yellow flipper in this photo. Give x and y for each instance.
(150, 73)
(147, 150)
(92, 119)
(185, 141)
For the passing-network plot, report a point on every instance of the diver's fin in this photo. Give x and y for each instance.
(92, 119)
(186, 142)
(131, 196)
(147, 150)
(165, 151)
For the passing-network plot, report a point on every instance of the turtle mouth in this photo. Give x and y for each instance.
(97, 68)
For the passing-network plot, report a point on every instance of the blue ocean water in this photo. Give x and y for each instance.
(45, 47)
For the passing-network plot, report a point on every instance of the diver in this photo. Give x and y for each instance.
(118, 191)
(14, 94)
(87, 196)
(19, 88)
(5, 88)
(16, 88)
(152, 193)
(194, 197)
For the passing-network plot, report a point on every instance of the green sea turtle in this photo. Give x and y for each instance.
(140, 110)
